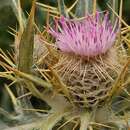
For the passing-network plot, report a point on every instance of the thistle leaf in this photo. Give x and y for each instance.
(25, 58)
(34, 79)
(26, 44)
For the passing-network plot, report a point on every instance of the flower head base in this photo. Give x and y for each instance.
(89, 37)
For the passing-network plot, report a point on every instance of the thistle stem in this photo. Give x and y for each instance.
(85, 118)
(25, 60)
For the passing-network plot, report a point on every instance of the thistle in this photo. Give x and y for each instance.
(77, 67)
(88, 57)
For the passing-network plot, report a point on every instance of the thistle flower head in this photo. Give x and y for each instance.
(88, 37)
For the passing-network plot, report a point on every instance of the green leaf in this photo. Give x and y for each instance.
(25, 57)
(26, 44)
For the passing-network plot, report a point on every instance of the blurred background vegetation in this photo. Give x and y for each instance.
(8, 19)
